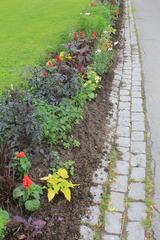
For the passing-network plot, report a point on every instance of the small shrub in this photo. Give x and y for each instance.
(54, 86)
(18, 125)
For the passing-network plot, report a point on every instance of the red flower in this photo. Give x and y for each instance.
(75, 36)
(82, 34)
(94, 34)
(20, 155)
(27, 182)
(58, 59)
(50, 64)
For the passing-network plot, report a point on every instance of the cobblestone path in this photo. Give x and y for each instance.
(124, 218)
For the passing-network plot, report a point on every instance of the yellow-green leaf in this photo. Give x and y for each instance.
(67, 193)
(62, 173)
(51, 194)
(46, 178)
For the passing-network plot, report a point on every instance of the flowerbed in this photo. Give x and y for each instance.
(36, 126)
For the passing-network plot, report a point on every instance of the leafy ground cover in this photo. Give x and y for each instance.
(45, 166)
(29, 29)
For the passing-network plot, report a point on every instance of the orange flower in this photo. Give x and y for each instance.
(20, 155)
(50, 64)
(27, 182)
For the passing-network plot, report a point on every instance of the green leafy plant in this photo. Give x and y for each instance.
(28, 194)
(58, 182)
(102, 61)
(4, 217)
(21, 163)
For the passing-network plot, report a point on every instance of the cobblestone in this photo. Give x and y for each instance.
(122, 167)
(137, 191)
(135, 230)
(137, 173)
(137, 136)
(138, 160)
(138, 147)
(137, 211)
(117, 201)
(96, 192)
(86, 233)
(113, 223)
(120, 184)
(110, 237)
(92, 215)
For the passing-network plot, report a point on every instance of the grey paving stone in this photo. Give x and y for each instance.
(136, 94)
(86, 233)
(100, 176)
(138, 147)
(125, 154)
(137, 116)
(126, 122)
(124, 92)
(137, 101)
(137, 211)
(113, 223)
(122, 167)
(120, 184)
(136, 107)
(123, 131)
(96, 192)
(137, 173)
(92, 215)
(123, 141)
(135, 230)
(117, 201)
(124, 105)
(136, 82)
(138, 160)
(137, 136)
(138, 126)
(136, 89)
(125, 98)
(124, 114)
(137, 191)
(110, 237)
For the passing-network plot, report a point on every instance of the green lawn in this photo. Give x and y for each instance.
(28, 29)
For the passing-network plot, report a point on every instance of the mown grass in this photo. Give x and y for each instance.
(30, 29)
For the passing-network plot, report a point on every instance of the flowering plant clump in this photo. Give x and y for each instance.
(58, 182)
(21, 163)
(28, 194)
